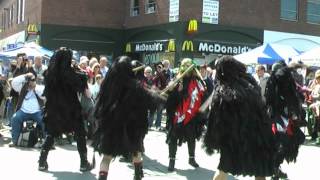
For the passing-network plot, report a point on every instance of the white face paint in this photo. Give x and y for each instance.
(299, 70)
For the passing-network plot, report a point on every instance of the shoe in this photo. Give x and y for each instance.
(85, 166)
(38, 145)
(193, 162)
(138, 172)
(43, 166)
(103, 175)
(13, 145)
(126, 159)
(171, 165)
(280, 174)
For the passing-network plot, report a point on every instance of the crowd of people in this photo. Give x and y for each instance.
(253, 121)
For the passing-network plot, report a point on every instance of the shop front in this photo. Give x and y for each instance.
(87, 41)
(151, 52)
(152, 44)
(208, 42)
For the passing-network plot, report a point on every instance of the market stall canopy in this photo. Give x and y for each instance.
(278, 52)
(251, 57)
(267, 54)
(309, 58)
(31, 49)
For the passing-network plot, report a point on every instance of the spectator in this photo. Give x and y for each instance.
(148, 83)
(95, 71)
(83, 63)
(95, 88)
(93, 61)
(167, 70)
(261, 77)
(29, 106)
(39, 69)
(22, 65)
(160, 84)
(104, 66)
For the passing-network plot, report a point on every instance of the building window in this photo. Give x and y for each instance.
(17, 11)
(313, 11)
(3, 23)
(6, 17)
(11, 16)
(289, 10)
(134, 7)
(150, 6)
(20, 11)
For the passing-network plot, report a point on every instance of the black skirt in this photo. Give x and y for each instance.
(240, 130)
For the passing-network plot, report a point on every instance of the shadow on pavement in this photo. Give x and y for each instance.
(196, 174)
(191, 174)
(63, 175)
(309, 142)
(153, 165)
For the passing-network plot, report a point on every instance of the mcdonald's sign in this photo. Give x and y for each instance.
(193, 26)
(128, 48)
(187, 46)
(171, 46)
(32, 29)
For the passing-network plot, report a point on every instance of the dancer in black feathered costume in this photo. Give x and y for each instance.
(285, 110)
(238, 125)
(184, 122)
(62, 113)
(122, 110)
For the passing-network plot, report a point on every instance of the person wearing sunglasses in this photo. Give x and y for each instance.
(29, 105)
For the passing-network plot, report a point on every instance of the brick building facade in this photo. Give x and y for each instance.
(107, 26)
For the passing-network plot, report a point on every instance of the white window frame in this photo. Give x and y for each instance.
(23, 10)
(150, 7)
(134, 9)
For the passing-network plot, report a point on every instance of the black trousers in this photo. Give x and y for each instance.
(173, 147)
(81, 142)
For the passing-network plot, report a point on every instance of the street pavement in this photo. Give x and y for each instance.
(64, 162)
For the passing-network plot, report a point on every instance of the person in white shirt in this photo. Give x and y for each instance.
(29, 105)
(261, 77)
(104, 66)
(39, 68)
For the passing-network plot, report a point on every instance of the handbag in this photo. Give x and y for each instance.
(29, 135)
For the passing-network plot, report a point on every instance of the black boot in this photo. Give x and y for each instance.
(171, 165)
(103, 175)
(138, 172)
(193, 162)
(85, 165)
(43, 165)
(280, 174)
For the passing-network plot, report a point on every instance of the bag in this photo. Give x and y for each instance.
(28, 136)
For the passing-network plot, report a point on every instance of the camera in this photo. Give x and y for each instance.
(32, 78)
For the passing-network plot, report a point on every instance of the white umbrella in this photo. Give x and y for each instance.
(310, 58)
(267, 54)
(31, 49)
(29, 52)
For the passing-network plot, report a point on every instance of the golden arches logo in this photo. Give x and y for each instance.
(171, 46)
(187, 46)
(128, 48)
(193, 26)
(32, 29)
